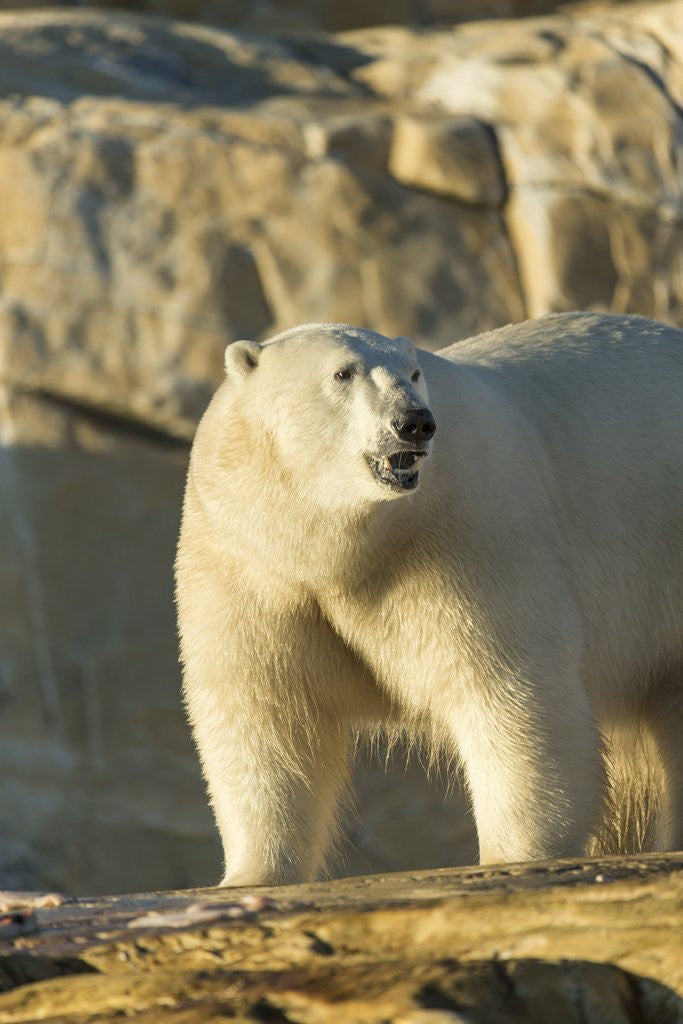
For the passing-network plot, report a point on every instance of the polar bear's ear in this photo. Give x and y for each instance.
(241, 357)
(406, 342)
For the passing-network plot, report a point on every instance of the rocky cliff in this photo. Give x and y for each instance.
(168, 187)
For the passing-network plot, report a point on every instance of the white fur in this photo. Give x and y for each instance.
(524, 605)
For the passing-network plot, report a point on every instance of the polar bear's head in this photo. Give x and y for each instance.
(341, 410)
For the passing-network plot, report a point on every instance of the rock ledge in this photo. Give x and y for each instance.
(582, 941)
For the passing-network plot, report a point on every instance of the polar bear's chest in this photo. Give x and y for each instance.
(412, 634)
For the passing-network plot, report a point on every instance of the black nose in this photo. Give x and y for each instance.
(416, 425)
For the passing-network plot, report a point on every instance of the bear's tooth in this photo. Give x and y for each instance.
(387, 463)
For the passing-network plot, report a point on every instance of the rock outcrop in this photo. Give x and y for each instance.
(572, 942)
(329, 15)
(169, 187)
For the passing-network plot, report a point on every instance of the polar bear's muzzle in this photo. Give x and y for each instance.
(398, 469)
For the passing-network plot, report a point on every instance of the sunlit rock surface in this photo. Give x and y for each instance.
(583, 942)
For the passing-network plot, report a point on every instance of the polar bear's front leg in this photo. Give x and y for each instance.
(274, 795)
(271, 693)
(534, 771)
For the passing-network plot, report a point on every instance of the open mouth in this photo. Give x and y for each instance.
(398, 471)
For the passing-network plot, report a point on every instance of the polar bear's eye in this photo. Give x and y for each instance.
(345, 374)
(416, 376)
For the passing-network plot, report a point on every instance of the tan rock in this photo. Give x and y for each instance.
(585, 111)
(456, 157)
(91, 715)
(567, 942)
(363, 140)
(138, 239)
(331, 15)
(586, 251)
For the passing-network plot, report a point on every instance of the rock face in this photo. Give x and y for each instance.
(169, 187)
(330, 15)
(140, 236)
(91, 717)
(573, 942)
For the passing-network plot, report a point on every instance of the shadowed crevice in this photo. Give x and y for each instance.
(20, 968)
(116, 422)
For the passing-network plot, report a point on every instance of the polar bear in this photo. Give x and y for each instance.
(484, 545)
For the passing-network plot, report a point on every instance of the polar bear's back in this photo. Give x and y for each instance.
(599, 380)
(603, 395)
(588, 380)
(562, 340)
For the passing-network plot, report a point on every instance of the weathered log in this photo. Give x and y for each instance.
(583, 941)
